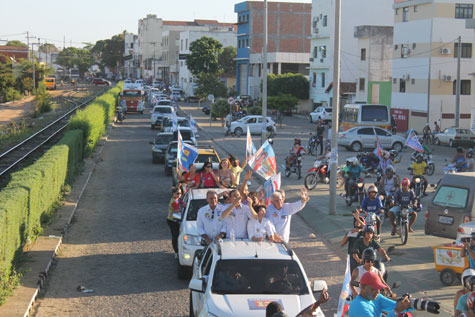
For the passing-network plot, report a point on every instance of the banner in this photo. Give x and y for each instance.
(413, 142)
(343, 306)
(174, 125)
(270, 186)
(193, 124)
(186, 154)
(263, 161)
(379, 151)
(250, 148)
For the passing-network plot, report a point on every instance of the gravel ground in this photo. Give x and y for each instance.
(119, 243)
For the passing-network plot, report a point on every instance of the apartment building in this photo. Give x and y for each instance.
(353, 13)
(425, 61)
(131, 56)
(226, 36)
(288, 42)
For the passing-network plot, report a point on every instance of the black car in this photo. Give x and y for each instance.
(160, 146)
(206, 110)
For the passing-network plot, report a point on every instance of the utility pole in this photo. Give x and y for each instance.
(336, 108)
(264, 80)
(458, 84)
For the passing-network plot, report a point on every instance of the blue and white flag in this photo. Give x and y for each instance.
(263, 162)
(193, 124)
(174, 125)
(186, 154)
(270, 186)
(413, 142)
(343, 305)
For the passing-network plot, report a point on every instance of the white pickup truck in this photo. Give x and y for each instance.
(158, 113)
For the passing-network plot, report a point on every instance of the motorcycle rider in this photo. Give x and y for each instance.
(384, 163)
(295, 151)
(469, 249)
(320, 129)
(459, 159)
(372, 203)
(390, 182)
(418, 170)
(462, 306)
(353, 174)
(369, 257)
(404, 198)
(427, 134)
(470, 161)
(366, 242)
(470, 302)
(466, 274)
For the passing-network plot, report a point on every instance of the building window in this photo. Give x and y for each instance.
(181, 45)
(463, 11)
(324, 51)
(415, 8)
(402, 85)
(323, 79)
(466, 50)
(397, 11)
(362, 84)
(247, 17)
(239, 19)
(394, 80)
(186, 44)
(363, 54)
(464, 87)
(413, 45)
(247, 42)
(315, 52)
(413, 81)
(131, 45)
(239, 43)
(325, 20)
(395, 47)
(405, 13)
(314, 82)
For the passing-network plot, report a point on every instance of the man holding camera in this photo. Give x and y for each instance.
(371, 303)
(469, 249)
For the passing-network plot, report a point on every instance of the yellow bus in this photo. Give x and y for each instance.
(354, 115)
(50, 83)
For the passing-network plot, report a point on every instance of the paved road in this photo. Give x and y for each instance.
(119, 244)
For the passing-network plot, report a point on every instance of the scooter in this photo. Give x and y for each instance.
(356, 193)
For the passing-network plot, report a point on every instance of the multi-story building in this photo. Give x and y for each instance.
(149, 42)
(375, 46)
(353, 13)
(131, 56)
(425, 61)
(226, 36)
(288, 44)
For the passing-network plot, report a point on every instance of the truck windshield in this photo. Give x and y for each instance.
(448, 196)
(258, 277)
(131, 93)
(162, 110)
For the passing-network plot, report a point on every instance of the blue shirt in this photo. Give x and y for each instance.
(461, 159)
(372, 205)
(355, 171)
(472, 262)
(404, 199)
(361, 307)
(462, 303)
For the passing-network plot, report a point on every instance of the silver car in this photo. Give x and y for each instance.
(358, 138)
(453, 137)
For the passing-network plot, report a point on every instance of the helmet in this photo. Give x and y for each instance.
(389, 169)
(471, 301)
(460, 149)
(369, 254)
(354, 160)
(419, 155)
(470, 153)
(297, 140)
(373, 189)
(405, 182)
(368, 228)
(465, 274)
(393, 152)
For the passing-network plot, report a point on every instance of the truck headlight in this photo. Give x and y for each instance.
(191, 240)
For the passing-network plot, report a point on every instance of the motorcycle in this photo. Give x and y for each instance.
(295, 166)
(318, 173)
(386, 201)
(370, 165)
(312, 144)
(356, 193)
(418, 186)
(372, 219)
(120, 116)
(426, 157)
(402, 221)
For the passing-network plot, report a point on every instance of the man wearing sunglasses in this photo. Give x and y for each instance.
(209, 226)
(469, 249)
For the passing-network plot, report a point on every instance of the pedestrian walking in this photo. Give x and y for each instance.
(174, 216)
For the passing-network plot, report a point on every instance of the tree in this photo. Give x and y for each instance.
(48, 48)
(109, 52)
(283, 102)
(204, 56)
(226, 60)
(72, 56)
(17, 43)
(220, 109)
(293, 84)
(7, 81)
(209, 83)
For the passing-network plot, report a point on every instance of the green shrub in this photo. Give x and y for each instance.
(283, 102)
(12, 94)
(256, 110)
(220, 109)
(293, 84)
(42, 99)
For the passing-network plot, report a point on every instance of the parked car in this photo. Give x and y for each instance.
(453, 204)
(189, 241)
(206, 110)
(254, 123)
(100, 82)
(170, 157)
(267, 272)
(158, 113)
(321, 113)
(160, 145)
(358, 138)
(453, 137)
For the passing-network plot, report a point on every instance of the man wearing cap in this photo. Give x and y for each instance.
(469, 249)
(371, 303)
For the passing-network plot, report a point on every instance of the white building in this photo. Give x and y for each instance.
(425, 63)
(353, 13)
(131, 56)
(226, 36)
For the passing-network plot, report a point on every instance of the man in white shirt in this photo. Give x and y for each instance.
(207, 221)
(238, 214)
(280, 213)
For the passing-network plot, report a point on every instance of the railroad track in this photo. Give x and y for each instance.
(17, 154)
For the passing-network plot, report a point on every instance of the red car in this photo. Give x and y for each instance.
(100, 82)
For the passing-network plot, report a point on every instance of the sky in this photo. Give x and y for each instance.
(87, 21)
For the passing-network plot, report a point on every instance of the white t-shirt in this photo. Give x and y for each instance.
(361, 271)
(281, 218)
(208, 221)
(237, 221)
(260, 229)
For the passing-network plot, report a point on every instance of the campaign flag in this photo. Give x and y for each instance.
(263, 162)
(270, 186)
(193, 124)
(174, 125)
(186, 154)
(413, 142)
(343, 305)
(379, 151)
(250, 148)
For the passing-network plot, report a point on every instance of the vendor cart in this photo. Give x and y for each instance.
(449, 262)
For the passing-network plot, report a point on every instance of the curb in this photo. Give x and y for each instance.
(44, 274)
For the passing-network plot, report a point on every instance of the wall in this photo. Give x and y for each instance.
(385, 90)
